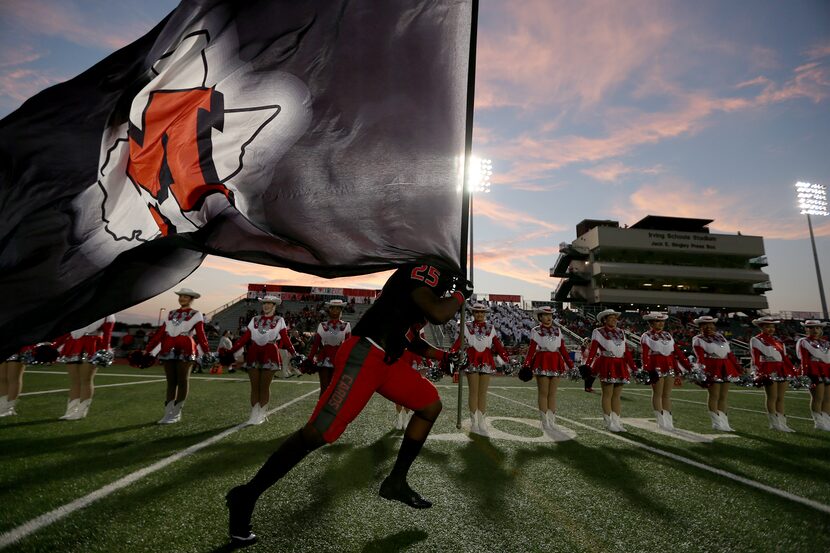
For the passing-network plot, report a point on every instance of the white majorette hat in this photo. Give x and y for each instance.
(813, 322)
(478, 306)
(188, 292)
(765, 320)
(336, 303)
(705, 319)
(545, 310)
(270, 298)
(602, 314)
(655, 316)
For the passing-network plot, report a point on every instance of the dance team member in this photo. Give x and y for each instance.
(548, 358)
(772, 369)
(662, 359)
(720, 366)
(180, 338)
(263, 338)
(611, 360)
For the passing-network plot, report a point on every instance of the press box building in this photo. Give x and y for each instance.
(665, 261)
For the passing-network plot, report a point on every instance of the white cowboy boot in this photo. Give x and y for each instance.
(71, 407)
(782, 422)
(175, 414)
(263, 414)
(615, 418)
(81, 411)
(825, 417)
(661, 422)
(551, 418)
(252, 420)
(609, 423)
(668, 420)
(9, 411)
(482, 424)
(818, 420)
(773, 421)
(168, 410)
(543, 418)
(473, 422)
(716, 422)
(724, 422)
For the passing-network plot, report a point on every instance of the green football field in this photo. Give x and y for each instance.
(116, 481)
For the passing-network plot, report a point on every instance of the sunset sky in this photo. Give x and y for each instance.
(588, 109)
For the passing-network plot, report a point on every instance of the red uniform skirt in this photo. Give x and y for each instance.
(548, 363)
(662, 365)
(480, 361)
(265, 357)
(326, 356)
(612, 370)
(81, 349)
(775, 371)
(20, 356)
(818, 371)
(177, 348)
(720, 370)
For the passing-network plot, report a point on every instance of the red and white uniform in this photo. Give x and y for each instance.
(328, 339)
(769, 359)
(814, 355)
(80, 345)
(661, 355)
(179, 336)
(481, 339)
(264, 337)
(20, 356)
(547, 354)
(719, 363)
(609, 356)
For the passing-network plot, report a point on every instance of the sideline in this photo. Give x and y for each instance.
(697, 464)
(96, 387)
(192, 377)
(27, 528)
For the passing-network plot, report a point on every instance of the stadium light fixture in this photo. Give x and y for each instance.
(812, 199)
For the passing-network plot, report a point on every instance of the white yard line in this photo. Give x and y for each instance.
(731, 408)
(96, 387)
(161, 377)
(32, 526)
(691, 462)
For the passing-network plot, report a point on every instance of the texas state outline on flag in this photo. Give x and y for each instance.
(203, 136)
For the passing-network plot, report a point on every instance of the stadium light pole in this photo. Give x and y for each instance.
(478, 176)
(812, 199)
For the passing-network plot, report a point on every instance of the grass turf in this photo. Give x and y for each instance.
(592, 494)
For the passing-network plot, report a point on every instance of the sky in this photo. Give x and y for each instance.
(588, 109)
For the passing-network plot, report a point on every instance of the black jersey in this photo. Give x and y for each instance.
(394, 320)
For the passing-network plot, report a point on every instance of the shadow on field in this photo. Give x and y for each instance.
(485, 477)
(603, 469)
(72, 460)
(395, 542)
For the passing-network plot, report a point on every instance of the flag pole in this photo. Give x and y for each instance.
(466, 200)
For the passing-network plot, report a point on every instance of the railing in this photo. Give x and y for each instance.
(210, 314)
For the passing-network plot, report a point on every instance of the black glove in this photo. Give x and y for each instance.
(461, 284)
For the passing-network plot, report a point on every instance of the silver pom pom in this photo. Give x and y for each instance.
(642, 377)
(434, 373)
(696, 374)
(102, 358)
(746, 381)
(801, 382)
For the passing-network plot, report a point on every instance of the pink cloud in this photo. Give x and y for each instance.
(20, 84)
(21, 54)
(67, 20)
(281, 275)
(543, 51)
(731, 212)
(615, 170)
(509, 218)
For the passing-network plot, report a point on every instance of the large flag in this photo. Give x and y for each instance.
(327, 136)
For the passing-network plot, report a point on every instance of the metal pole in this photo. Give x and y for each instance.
(818, 269)
(465, 193)
(162, 310)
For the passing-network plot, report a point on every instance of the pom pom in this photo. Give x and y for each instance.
(308, 367)
(643, 377)
(802, 382)
(434, 373)
(525, 374)
(44, 353)
(225, 357)
(102, 358)
(584, 371)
